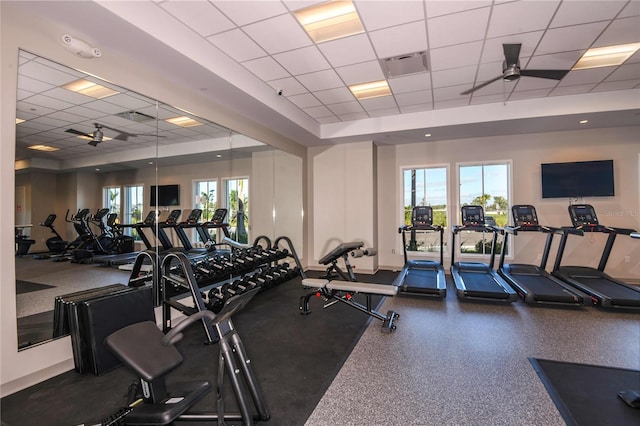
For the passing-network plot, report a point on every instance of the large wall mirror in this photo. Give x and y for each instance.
(84, 143)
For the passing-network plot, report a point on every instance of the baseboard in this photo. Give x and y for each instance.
(35, 378)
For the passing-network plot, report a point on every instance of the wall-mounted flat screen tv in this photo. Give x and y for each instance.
(168, 195)
(578, 179)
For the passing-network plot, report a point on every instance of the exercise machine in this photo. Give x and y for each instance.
(478, 280)
(55, 244)
(604, 290)
(343, 291)
(420, 276)
(152, 355)
(533, 283)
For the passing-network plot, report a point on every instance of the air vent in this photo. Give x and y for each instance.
(136, 116)
(410, 63)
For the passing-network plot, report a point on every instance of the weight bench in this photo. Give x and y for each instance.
(343, 291)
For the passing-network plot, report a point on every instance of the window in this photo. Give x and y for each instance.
(486, 185)
(111, 198)
(237, 198)
(206, 199)
(425, 187)
(133, 207)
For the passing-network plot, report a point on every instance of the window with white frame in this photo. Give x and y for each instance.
(487, 185)
(425, 186)
(206, 199)
(111, 199)
(237, 202)
(133, 208)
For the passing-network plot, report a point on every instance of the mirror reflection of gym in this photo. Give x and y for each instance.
(119, 141)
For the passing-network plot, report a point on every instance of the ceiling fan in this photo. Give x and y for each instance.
(98, 134)
(511, 69)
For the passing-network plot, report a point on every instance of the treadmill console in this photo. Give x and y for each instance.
(473, 216)
(421, 216)
(219, 215)
(524, 215)
(194, 216)
(151, 218)
(173, 217)
(583, 215)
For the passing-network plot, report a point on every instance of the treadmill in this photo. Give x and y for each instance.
(421, 277)
(533, 283)
(478, 280)
(605, 291)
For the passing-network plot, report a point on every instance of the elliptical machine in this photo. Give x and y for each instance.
(55, 244)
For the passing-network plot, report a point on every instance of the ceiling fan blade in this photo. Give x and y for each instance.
(480, 86)
(122, 135)
(93, 143)
(551, 74)
(511, 53)
(78, 132)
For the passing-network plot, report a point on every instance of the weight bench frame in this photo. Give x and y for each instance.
(343, 291)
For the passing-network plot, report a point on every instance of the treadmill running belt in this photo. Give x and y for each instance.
(544, 288)
(621, 295)
(421, 278)
(482, 285)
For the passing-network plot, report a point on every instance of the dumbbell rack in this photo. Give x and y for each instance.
(180, 276)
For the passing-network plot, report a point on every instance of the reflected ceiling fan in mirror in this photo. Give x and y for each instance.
(98, 135)
(511, 69)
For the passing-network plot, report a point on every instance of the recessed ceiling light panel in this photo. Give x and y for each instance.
(606, 56)
(90, 88)
(373, 89)
(330, 20)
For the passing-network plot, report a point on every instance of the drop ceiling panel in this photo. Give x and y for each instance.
(266, 68)
(302, 61)
(410, 83)
(381, 102)
(399, 40)
(474, 23)
(520, 17)
(439, 8)
(414, 98)
(237, 45)
(333, 96)
(289, 86)
(305, 100)
(571, 38)
(278, 34)
(362, 72)
(455, 56)
(582, 12)
(620, 32)
(382, 14)
(202, 16)
(348, 50)
(453, 77)
(248, 11)
(321, 80)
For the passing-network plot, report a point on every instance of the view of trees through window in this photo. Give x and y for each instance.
(237, 196)
(425, 187)
(206, 199)
(486, 185)
(133, 208)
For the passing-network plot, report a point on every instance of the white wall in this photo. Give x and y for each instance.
(526, 152)
(344, 195)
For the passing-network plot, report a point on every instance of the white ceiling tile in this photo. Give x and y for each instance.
(387, 13)
(625, 72)
(593, 75)
(454, 76)
(65, 116)
(413, 98)
(488, 99)
(381, 102)
(382, 112)
(126, 101)
(582, 12)
(85, 112)
(102, 106)
(67, 96)
(321, 80)
(41, 72)
(298, 4)
(406, 109)
(237, 45)
(278, 34)
(572, 90)
(248, 11)
(622, 31)
(534, 83)
(474, 23)
(199, 15)
(439, 8)
(334, 96)
(353, 116)
(617, 85)
(494, 50)
(348, 50)
(360, 73)
(554, 61)
(632, 9)
(50, 103)
(451, 92)
(328, 120)
(305, 100)
(576, 37)
(409, 83)
(455, 56)
(520, 17)
(530, 94)
(318, 111)
(399, 40)
(266, 68)
(302, 61)
(289, 86)
(346, 108)
(35, 86)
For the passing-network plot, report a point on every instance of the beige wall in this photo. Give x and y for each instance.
(526, 153)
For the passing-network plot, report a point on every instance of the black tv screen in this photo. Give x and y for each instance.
(578, 179)
(168, 195)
